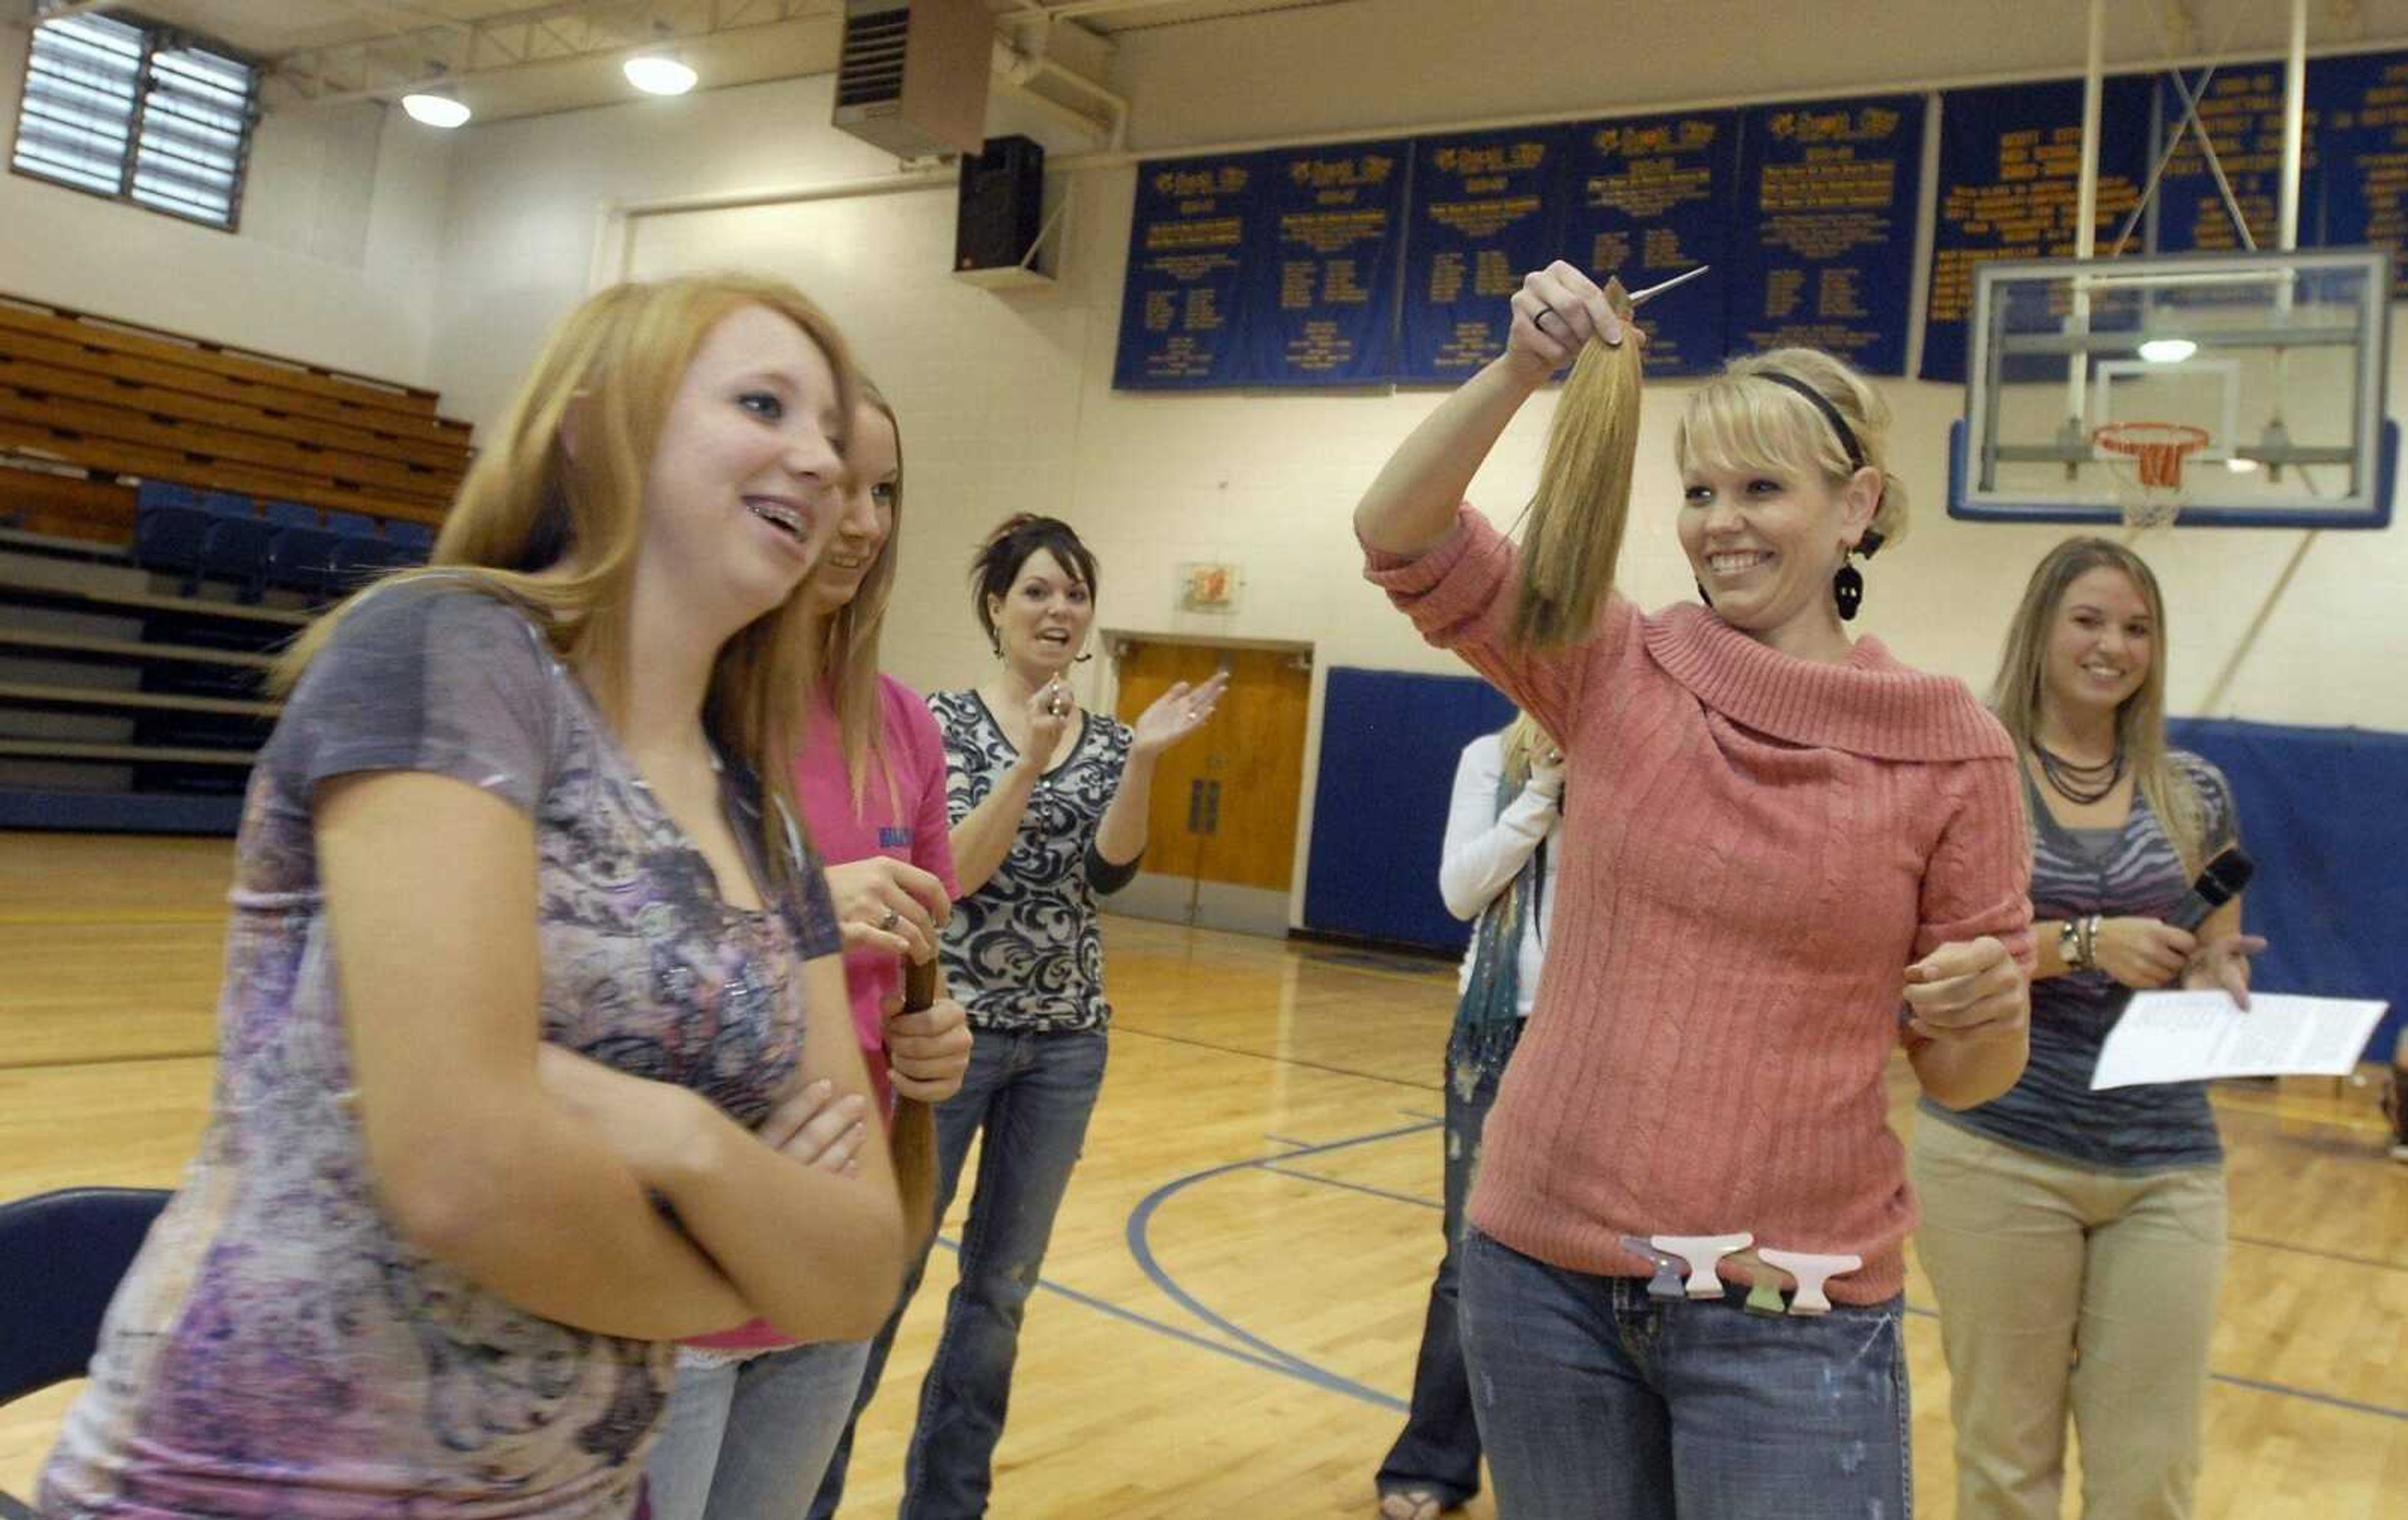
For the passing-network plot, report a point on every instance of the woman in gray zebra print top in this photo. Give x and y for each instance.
(2076, 1238)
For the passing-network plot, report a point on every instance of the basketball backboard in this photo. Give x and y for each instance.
(2244, 390)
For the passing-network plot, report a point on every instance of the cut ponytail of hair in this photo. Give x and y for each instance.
(1576, 518)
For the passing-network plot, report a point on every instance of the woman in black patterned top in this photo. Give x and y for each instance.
(2076, 1238)
(1048, 803)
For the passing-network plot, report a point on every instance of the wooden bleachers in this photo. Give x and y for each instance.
(114, 401)
(138, 615)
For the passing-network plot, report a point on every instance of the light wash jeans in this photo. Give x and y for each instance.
(748, 1441)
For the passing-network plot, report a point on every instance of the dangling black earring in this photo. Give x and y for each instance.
(1848, 590)
(1701, 594)
(994, 643)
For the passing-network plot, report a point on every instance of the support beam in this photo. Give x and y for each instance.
(386, 67)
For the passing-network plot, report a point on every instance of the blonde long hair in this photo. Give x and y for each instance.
(2019, 690)
(1522, 741)
(1574, 541)
(1738, 421)
(526, 505)
(847, 661)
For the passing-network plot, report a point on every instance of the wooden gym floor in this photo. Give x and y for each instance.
(1231, 1309)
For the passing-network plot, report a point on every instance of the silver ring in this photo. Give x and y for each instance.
(887, 923)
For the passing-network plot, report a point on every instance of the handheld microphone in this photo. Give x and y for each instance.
(2218, 884)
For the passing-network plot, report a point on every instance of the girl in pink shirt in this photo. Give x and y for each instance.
(754, 1417)
(1784, 853)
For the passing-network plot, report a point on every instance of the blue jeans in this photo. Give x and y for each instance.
(1599, 1402)
(1031, 1095)
(750, 1439)
(1439, 1453)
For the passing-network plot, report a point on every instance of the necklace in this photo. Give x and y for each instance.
(2080, 784)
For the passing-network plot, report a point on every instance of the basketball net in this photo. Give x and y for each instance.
(2146, 459)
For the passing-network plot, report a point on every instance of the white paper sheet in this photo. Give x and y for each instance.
(2193, 1035)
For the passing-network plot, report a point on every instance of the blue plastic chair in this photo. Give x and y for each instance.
(62, 1256)
(303, 559)
(168, 530)
(358, 561)
(418, 537)
(165, 494)
(236, 549)
(291, 514)
(226, 504)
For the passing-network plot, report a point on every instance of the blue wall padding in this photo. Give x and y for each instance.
(1389, 741)
(2324, 812)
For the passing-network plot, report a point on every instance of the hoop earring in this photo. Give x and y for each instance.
(995, 644)
(1848, 590)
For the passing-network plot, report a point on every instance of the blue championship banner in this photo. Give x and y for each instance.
(2244, 112)
(2010, 170)
(1648, 198)
(1823, 243)
(1193, 235)
(1486, 211)
(2362, 149)
(1321, 305)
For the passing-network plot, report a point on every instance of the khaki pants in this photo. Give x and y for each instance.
(2065, 1289)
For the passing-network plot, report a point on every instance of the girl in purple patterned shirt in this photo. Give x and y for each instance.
(532, 980)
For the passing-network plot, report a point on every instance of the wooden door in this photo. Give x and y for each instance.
(1226, 801)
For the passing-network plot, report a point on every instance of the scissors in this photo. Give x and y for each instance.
(1640, 298)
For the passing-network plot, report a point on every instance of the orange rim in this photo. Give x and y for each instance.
(2160, 447)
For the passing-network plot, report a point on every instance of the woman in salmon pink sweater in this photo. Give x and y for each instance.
(1785, 854)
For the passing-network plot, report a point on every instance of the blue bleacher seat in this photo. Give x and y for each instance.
(236, 549)
(351, 524)
(168, 530)
(226, 504)
(417, 537)
(290, 514)
(303, 559)
(360, 560)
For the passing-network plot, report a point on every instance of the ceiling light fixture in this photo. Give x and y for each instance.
(436, 109)
(659, 74)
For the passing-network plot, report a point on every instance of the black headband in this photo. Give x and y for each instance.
(1871, 540)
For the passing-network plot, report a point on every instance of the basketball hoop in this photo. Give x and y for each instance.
(2147, 459)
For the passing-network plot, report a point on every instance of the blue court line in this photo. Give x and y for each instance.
(1355, 1187)
(1120, 1026)
(1089, 1301)
(1141, 1221)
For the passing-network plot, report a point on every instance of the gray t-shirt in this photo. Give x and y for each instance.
(277, 1349)
(2133, 871)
